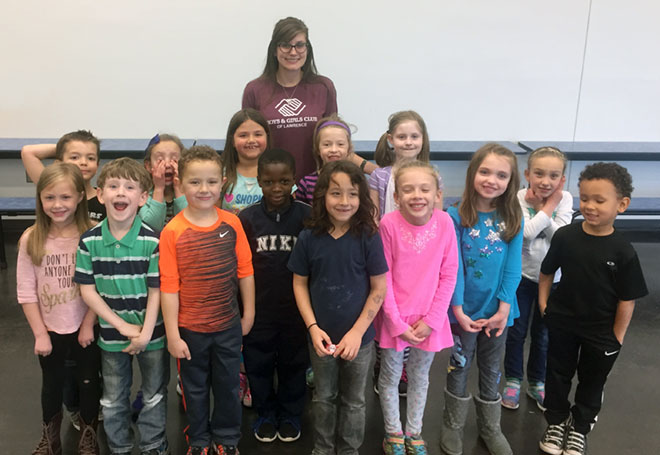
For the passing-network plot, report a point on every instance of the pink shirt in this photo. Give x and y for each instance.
(51, 284)
(423, 262)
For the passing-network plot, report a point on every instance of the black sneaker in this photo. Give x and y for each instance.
(554, 438)
(576, 443)
(288, 431)
(196, 450)
(264, 429)
(162, 450)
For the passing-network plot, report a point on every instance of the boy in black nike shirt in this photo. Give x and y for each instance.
(278, 339)
(589, 312)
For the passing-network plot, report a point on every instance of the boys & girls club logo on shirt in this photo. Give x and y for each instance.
(289, 107)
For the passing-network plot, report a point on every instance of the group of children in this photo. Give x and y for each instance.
(318, 273)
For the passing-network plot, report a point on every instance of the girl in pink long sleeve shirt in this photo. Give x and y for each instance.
(421, 252)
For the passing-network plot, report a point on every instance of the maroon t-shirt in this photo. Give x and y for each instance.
(292, 113)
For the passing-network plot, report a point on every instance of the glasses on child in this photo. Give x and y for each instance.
(300, 47)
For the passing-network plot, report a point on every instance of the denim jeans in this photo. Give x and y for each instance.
(528, 292)
(117, 370)
(339, 384)
(489, 351)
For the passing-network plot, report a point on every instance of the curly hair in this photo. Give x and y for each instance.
(198, 153)
(613, 172)
(364, 218)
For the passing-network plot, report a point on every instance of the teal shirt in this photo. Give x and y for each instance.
(154, 213)
(122, 271)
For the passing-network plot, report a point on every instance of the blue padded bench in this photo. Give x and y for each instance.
(12, 206)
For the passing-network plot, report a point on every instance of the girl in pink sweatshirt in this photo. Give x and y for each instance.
(420, 248)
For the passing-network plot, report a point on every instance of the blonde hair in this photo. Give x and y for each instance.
(416, 164)
(506, 205)
(547, 151)
(384, 155)
(322, 124)
(39, 230)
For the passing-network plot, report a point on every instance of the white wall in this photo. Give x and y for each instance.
(475, 69)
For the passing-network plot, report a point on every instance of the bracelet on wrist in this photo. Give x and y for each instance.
(311, 325)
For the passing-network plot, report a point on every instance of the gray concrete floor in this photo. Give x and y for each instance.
(628, 424)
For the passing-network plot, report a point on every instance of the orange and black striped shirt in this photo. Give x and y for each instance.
(203, 265)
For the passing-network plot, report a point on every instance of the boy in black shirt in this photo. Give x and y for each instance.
(589, 312)
(278, 339)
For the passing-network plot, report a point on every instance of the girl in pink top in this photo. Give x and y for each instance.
(59, 319)
(420, 247)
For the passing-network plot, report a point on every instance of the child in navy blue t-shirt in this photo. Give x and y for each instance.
(339, 282)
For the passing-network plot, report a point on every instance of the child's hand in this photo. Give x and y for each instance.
(554, 199)
(246, 324)
(85, 335)
(42, 345)
(178, 349)
(497, 321)
(467, 323)
(176, 181)
(320, 340)
(349, 346)
(137, 346)
(421, 329)
(532, 199)
(158, 175)
(130, 330)
(409, 337)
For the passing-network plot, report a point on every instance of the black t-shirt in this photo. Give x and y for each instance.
(96, 210)
(596, 273)
(339, 272)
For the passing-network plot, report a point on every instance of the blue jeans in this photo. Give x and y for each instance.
(339, 384)
(117, 370)
(489, 352)
(528, 292)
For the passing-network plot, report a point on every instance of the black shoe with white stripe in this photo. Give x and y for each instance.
(554, 438)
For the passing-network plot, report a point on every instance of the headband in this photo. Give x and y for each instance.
(335, 123)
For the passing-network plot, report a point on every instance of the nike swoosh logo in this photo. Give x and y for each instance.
(223, 234)
(610, 353)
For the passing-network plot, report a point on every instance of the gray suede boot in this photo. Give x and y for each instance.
(453, 421)
(488, 422)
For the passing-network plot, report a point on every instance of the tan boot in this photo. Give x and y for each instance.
(88, 444)
(50, 443)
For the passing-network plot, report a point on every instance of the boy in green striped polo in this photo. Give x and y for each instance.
(117, 269)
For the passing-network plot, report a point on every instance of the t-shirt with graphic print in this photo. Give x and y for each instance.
(292, 113)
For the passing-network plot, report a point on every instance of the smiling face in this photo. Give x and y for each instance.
(167, 154)
(276, 181)
(416, 194)
(201, 184)
(342, 200)
(250, 141)
(600, 204)
(544, 175)
(122, 198)
(334, 144)
(491, 180)
(406, 140)
(60, 201)
(84, 155)
(294, 59)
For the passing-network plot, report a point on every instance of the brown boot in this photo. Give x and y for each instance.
(88, 444)
(50, 443)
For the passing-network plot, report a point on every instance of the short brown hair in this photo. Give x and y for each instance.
(81, 136)
(198, 153)
(126, 168)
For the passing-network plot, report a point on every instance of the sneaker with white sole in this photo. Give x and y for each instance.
(536, 391)
(576, 443)
(511, 393)
(554, 438)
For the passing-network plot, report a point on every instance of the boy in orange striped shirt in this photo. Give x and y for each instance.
(205, 260)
